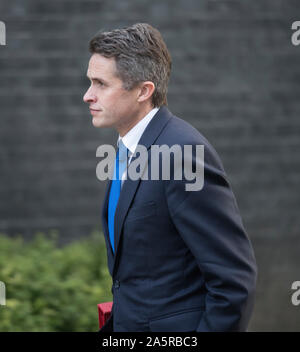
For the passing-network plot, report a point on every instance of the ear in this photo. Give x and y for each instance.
(146, 90)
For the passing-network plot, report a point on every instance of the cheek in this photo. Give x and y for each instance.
(127, 100)
(119, 102)
(110, 98)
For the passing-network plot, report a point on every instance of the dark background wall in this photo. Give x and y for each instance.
(235, 78)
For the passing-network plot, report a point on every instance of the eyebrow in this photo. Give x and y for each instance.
(97, 79)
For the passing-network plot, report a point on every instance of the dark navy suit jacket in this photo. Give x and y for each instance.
(183, 261)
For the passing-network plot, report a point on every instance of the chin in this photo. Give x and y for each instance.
(99, 122)
(96, 122)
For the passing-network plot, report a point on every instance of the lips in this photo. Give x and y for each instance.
(94, 111)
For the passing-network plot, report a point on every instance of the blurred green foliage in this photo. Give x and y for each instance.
(51, 287)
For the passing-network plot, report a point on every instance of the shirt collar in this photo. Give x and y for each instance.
(132, 137)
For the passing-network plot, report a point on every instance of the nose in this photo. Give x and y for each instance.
(89, 96)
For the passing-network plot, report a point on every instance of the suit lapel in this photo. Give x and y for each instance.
(129, 187)
(105, 216)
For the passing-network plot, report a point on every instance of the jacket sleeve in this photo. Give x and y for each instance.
(209, 222)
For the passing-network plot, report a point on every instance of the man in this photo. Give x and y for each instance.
(180, 260)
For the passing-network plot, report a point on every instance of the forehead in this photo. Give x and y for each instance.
(102, 66)
(99, 63)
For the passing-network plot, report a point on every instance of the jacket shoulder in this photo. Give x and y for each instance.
(180, 132)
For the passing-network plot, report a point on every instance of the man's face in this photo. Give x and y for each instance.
(110, 104)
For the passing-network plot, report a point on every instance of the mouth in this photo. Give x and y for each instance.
(94, 111)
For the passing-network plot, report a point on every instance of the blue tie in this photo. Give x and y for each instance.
(115, 189)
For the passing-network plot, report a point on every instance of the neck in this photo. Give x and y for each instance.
(138, 117)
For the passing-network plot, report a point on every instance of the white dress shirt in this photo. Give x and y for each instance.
(132, 137)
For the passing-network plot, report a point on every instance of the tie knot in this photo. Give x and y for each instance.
(122, 151)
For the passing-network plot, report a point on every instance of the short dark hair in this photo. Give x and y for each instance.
(141, 55)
